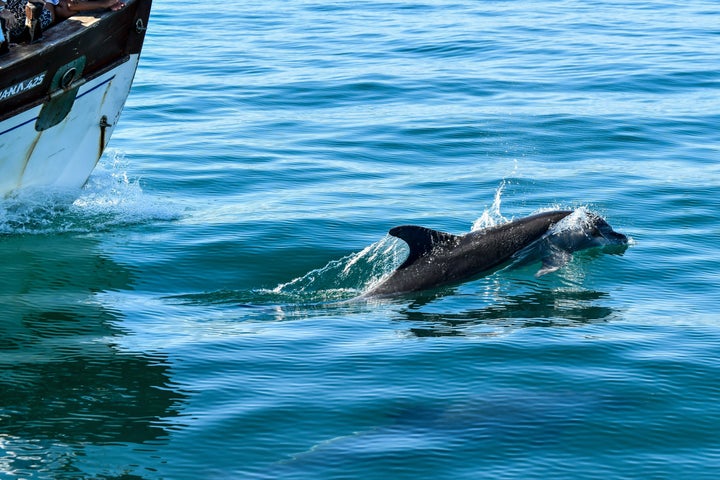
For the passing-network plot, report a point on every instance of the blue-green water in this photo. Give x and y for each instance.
(183, 316)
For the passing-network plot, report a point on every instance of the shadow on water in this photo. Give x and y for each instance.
(546, 307)
(66, 385)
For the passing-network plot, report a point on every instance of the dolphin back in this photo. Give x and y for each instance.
(437, 258)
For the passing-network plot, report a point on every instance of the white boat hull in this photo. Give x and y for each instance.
(63, 156)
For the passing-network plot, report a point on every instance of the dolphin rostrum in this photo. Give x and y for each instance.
(438, 258)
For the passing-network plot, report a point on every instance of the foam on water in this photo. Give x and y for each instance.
(110, 199)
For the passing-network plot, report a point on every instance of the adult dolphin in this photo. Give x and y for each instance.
(439, 258)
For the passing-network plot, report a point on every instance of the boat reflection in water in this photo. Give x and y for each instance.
(67, 385)
(61, 97)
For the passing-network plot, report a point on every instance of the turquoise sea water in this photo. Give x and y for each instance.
(184, 315)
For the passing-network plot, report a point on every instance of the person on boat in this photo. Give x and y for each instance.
(15, 19)
(54, 11)
(67, 8)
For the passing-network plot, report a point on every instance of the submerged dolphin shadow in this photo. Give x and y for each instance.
(422, 429)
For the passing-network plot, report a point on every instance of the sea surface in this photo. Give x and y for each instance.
(191, 313)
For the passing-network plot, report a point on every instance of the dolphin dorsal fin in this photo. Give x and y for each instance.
(421, 240)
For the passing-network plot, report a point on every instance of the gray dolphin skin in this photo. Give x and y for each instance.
(438, 258)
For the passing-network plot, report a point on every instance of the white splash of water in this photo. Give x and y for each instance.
(579, 219)
(492, 216)
(110, 199)
(111, 193)
(350, 274)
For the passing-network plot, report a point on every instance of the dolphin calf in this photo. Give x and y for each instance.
(438, 258)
